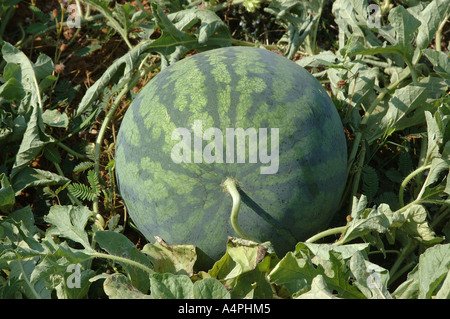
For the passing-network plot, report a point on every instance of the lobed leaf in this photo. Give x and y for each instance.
(69, 222)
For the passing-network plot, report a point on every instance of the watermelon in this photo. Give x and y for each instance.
(240, 116)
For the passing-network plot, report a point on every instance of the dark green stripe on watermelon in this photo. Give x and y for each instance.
(235, 87)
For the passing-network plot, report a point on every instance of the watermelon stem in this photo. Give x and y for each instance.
(325, 233)
(230, 186)
(123, 260)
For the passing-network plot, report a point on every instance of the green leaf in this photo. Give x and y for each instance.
(244, 267)
(296, 274)
(55, 119)
(81, 191)
(20, 251)
(358, 206)
(71, 281)
(119, 245)
(241, 256)
(222, 267)
(165, 24)
(252, 284)
(176, 259)
(405, 109)
(80, 167)
(29, 177)
(21, 270)
(431, 17)
(123, 13)
(50, 270)
(300, 19)
(174, 42)
(319, 290)
(326, 58)
(94, 182)
(18, 237)
(323, 250)
(351, 17)
(212, 30)
(72, 255)
(358, 48)
(30, 74)
(251, 5)
(69, 222)
(438, 166)
(170, 286)
(79, 287)
(337, 275)
(88, 49)
(6, 126)
(409, 289)
(7, 197)
(33, 140)
(416, 224)
(12, 90)
(403, 102)
(47, 82)
(375, 221)
(210, 288)
(435, 131)
(426, 278)
(122, 68)
(440, 61)
(435, 86)
(12, 127)
(245, 253)
(396, 219)
(118, 286)
(362, 86)
(102, 7)
(371, 279)
(404, 24)
(444, 291)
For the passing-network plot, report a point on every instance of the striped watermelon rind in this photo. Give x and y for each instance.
(233, 87)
